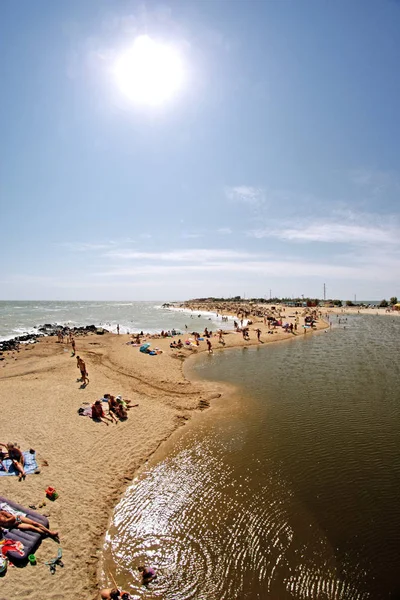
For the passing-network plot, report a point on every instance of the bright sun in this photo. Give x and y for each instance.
(149, 72)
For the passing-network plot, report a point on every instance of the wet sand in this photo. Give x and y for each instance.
(90, 464)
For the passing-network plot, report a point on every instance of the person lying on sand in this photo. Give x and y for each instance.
(15, 454)
(114, 594)
(127, 404)
(98, 413)
(10, 521)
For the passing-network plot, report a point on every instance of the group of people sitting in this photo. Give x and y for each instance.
(177, 344)
(13, 452)
(117, 409)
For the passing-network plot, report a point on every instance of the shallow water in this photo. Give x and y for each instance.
(289, 489)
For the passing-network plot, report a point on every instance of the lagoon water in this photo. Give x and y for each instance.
(288, 488)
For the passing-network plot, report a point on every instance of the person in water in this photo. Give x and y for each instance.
(114, 594)
(148, 574)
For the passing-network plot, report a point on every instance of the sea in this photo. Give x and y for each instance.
(287, 488)
(20, 317)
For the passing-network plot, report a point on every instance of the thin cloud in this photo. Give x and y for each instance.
(224, 230)
(191, 236)
(328, 232)
(375, 181)
(196, 255)
(86, 246)
(245, 193)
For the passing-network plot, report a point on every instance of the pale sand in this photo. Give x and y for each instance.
(90, 464)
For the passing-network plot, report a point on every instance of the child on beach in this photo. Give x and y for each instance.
(148, 574)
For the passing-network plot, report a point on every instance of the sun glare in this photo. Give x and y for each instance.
(149, 72)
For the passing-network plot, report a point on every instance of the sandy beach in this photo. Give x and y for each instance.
(89, 463)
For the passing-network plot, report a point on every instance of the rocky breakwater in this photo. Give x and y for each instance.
(47, 330)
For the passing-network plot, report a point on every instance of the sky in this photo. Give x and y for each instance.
(181, 149)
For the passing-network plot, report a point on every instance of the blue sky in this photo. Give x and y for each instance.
(274, 166)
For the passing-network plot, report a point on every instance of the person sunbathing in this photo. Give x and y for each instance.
(112, 406)
(10, 521)
(98, 413)
(17, 458)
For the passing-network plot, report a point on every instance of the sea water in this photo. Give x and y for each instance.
(287, 489)
(17, 318)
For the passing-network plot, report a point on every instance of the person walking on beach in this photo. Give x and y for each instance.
(73, 346)
(118, 329)
(258, 332)
(209, 346)
(82, 367)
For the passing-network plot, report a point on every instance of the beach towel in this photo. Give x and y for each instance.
(30, 465)
(29, 539)
(85, 411)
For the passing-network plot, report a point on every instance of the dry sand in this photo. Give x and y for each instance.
(90, 464)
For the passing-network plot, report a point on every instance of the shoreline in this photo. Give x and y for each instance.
(91, 464)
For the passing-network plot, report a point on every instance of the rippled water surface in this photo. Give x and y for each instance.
(289, 489)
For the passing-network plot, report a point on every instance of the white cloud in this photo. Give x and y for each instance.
(245, 193)
(331, 232)
(195, 255)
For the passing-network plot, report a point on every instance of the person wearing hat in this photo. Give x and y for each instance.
(122, 408)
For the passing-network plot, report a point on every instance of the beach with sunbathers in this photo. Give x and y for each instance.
(90, 461)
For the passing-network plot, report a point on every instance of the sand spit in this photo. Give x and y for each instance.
(90, 464)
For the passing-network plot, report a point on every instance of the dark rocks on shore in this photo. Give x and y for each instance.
(46, 330)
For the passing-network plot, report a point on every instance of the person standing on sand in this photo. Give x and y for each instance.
(82, 367)
(118, 329)
(209, 346)
(73, 346)
(258, 332)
